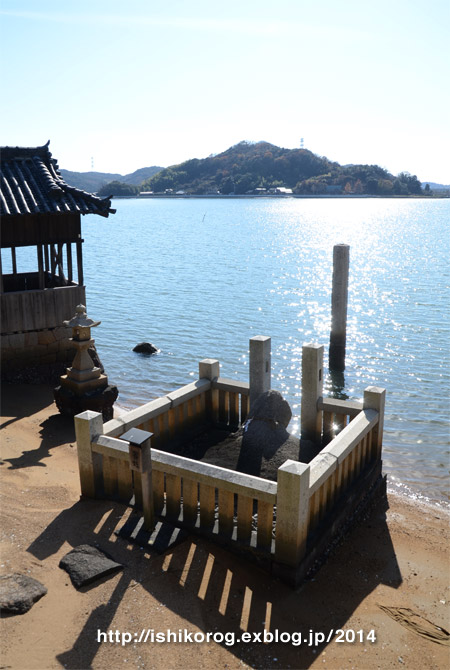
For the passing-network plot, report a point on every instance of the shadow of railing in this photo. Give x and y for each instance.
(215, 592)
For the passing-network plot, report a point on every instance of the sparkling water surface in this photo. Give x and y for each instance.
(199, 277)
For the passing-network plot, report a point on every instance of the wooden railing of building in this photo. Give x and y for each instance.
(36, 310)
(55, 269)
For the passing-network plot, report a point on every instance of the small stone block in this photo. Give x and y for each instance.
(86, 564)
(18, 593)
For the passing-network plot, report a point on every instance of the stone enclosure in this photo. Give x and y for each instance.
(283, 523)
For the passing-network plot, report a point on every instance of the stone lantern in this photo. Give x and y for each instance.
(84, 386)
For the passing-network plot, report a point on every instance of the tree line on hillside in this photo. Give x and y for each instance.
(247, 166)
(118, 188)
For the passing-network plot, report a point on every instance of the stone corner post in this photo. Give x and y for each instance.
(260, 373)
(88, 427)
(292, 513)
(375, 398)
(209, 368)
(312, 392)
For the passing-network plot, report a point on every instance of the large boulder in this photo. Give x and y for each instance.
(259, 447)
(271, 406)
(266, 444)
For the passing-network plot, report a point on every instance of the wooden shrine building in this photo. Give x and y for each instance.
(38, 209)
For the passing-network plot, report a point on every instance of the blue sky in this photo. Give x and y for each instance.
(155, 82)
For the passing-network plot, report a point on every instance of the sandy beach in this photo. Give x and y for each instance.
(395, 557)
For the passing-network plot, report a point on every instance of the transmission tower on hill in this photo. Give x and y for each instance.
(302, 146)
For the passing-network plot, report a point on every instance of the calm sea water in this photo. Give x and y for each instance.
(199, 277)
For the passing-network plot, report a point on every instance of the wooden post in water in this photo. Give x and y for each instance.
(40, 256)
(339, 299)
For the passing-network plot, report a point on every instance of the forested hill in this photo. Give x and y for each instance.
(93, 181)
(248, 166)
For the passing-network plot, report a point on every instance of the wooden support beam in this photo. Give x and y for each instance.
(59, 260)
(46, 258)
(69, 262)
(40, 256)
(14, 260)
(80, 262)
(52, 263)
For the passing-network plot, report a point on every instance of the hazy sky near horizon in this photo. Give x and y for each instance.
(156, 82)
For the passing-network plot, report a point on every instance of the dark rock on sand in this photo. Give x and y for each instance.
(85, 564)
(18, 593)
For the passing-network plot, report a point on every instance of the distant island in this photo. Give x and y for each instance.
(255, 168)
(93, 182)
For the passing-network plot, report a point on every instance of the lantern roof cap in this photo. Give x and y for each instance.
(81, 319)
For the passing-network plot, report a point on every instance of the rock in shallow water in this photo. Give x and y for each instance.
(145, 348)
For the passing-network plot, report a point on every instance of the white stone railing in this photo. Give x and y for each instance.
(276, 518)
(209, 399)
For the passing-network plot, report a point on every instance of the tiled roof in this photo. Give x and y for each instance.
(30, 183)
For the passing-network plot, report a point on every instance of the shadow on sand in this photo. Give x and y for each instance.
(54, 432)
(211, 590)
(14, 409)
